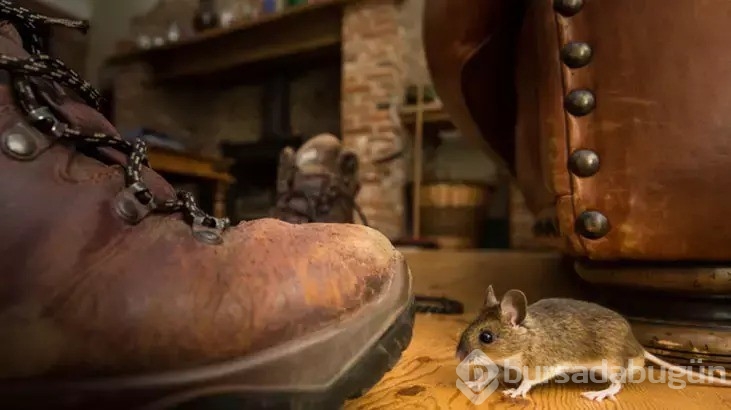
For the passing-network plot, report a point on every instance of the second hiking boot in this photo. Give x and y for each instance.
(317, 183)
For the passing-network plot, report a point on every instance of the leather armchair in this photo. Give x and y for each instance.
(615, 118)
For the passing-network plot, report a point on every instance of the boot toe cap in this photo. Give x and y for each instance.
(312, 275)
(335, 264)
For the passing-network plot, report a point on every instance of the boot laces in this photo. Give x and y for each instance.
(33, 29)
(318, 202)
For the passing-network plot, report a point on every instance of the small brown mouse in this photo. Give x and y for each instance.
(556, 337)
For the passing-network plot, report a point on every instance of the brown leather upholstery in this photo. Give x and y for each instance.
(661, 122)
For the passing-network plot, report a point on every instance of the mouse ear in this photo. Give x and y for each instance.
(514, 306)
(490, 299)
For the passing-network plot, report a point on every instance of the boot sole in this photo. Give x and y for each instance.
(319, 372)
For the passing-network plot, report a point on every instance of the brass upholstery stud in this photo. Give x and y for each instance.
(580, 102)
(576, 54)
(568, 8)
(592, 225)
(584, 163)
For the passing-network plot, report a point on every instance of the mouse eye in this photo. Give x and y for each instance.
(486, 337)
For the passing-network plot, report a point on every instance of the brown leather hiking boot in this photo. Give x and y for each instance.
(318, 183)
(118, 292)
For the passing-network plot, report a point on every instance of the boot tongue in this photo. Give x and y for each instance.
(312, 186)
(319, 155)
(312, 183)
(317, 163)
(78, 115)
(10, 41)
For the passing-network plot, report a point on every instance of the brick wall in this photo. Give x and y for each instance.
(372, 79)
(410, 18)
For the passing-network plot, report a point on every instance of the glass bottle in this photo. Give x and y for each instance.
(206, 16)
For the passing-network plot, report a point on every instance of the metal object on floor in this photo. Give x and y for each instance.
(438, 305)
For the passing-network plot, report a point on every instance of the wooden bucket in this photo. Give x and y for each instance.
(453, 213)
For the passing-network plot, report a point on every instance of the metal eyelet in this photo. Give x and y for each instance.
(43, 118)
(128, 206)
(208, 234)
(23, 142)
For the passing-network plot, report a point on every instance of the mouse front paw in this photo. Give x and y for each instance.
(607, 393)
(512, 393)
(597, 395)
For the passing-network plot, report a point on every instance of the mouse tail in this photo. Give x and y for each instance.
(707, 378)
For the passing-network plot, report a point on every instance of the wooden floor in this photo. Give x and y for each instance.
(426, 375)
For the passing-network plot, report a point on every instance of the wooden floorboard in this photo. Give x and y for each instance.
(425, 377)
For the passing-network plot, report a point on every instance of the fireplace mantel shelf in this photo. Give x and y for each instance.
(298, 33)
